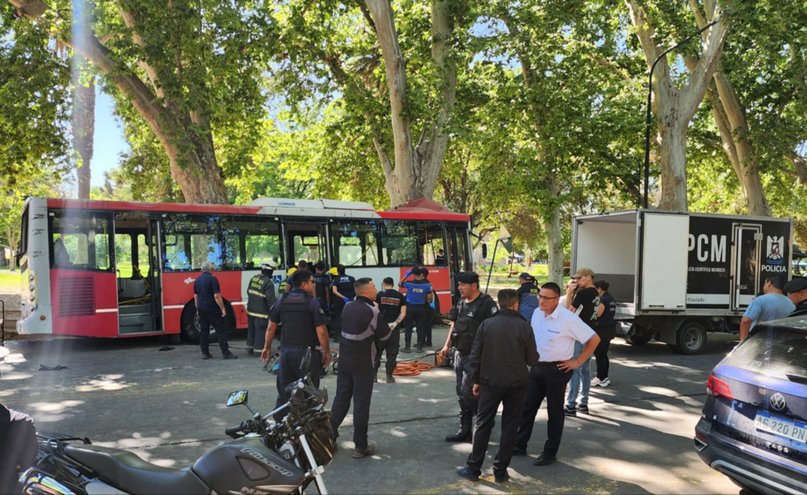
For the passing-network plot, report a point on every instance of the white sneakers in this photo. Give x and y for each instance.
(596, 382)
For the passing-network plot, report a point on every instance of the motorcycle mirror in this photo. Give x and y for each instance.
(237, 398)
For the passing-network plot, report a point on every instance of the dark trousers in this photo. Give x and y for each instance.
(18, 450)
(415, 317)
(601, 353)
(546, 381)
(214, 319)
(390, 346)
(489, 399)
(336, 315)
(359, 387)
(289, 371)
(256, 332)
(427, 338)
(465, 396)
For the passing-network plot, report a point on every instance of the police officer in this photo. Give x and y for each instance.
(260, 298)
(472, 308)
(527, 295)
(392, 305)
(342, 293)
(796, 290)
(362, 327)
(418, 296)
(303, 328)
(18, 452)
(322, 286)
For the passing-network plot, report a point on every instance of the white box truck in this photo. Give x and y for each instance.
(677, 276)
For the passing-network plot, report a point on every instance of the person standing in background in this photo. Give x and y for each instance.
(582, 299)
(392, 305)
(606, 330)
(418, 295)
(211, 312)
(774, 304)
(260, 298)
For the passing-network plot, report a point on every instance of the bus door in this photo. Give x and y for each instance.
(137, 273)
(305, 240)
(432, 253)
(458, 256)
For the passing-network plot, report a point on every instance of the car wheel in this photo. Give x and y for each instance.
(691, 337)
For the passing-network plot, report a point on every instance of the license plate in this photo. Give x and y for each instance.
(781, 426)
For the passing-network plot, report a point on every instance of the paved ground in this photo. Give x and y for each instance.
(167, 405)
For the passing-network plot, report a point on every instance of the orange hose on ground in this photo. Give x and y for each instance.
(412, 368)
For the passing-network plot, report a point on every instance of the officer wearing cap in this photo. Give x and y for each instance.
(260, 298)
(527, 295)
(303, 328)
(466, 316)
(796, 290)
(418, 296)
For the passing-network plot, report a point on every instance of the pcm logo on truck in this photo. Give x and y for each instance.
(708, 248)
(774, 261)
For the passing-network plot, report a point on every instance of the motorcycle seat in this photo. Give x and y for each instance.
(130, 473)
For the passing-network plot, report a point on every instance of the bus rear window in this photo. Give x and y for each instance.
(80, 241)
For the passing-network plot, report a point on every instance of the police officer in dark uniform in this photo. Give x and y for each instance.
(303, 328)
(392, 305)
(260, 298)
(362, 327)
(342, 292)
(527, 295)
(322, 286)
(418, 295)
(472, 308)
(796, 290)
(503, 350)
(18, 451)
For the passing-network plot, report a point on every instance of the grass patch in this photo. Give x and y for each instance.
(10, 281)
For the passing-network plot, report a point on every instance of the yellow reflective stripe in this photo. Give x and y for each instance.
(256, 293)
(257, 315)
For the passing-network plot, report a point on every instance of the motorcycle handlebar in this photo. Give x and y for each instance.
(233, 431)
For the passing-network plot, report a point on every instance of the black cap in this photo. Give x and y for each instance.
(526, 276)
(796, 285)
(468, 278)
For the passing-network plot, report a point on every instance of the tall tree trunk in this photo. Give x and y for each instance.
(83, 122)
(189, 146)
(730, 119)
(416, 169)
(672, 139)
(552, 224)
(676, 107)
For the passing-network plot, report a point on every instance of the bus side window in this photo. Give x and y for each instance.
(60, 256)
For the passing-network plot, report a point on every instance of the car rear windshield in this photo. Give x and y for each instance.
(774, 351)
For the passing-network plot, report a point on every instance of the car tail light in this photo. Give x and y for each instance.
(717, 387)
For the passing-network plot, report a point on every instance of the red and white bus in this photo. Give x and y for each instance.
(116, 269)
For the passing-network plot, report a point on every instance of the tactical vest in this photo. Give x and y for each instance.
(297, 320)
(257, 303)
(467, 322)
(528, 302)
(321, 280)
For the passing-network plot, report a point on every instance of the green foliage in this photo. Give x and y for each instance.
(34, 101)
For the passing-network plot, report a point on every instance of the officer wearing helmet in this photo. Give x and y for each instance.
(260, 298)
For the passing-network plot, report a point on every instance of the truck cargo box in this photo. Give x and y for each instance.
(676, 276)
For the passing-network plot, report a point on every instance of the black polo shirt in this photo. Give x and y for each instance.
(206, 286)
(361, 327)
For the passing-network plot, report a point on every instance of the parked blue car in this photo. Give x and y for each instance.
(754, 424)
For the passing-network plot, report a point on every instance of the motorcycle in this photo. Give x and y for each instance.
(264, 457)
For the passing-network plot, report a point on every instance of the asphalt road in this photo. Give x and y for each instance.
(167, 405)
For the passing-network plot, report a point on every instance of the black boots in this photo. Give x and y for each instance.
(464, 433)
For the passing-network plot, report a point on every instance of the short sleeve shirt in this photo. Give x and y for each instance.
(556, 334)
(206, 286)
(769, 307)
(416, 291)
(586, 300)
(390, 302)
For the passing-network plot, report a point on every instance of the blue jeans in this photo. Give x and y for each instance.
(579, 375)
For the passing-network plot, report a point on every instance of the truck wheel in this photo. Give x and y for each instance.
(637, 339)
(691, 337)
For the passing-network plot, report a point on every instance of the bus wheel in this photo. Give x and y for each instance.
(190, 323)
(691, 337)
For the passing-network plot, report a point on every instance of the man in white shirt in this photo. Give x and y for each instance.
(556, 329)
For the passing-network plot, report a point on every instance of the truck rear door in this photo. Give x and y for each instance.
(663, 265)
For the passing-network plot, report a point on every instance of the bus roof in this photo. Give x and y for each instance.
(423, 208)
(419, 209)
